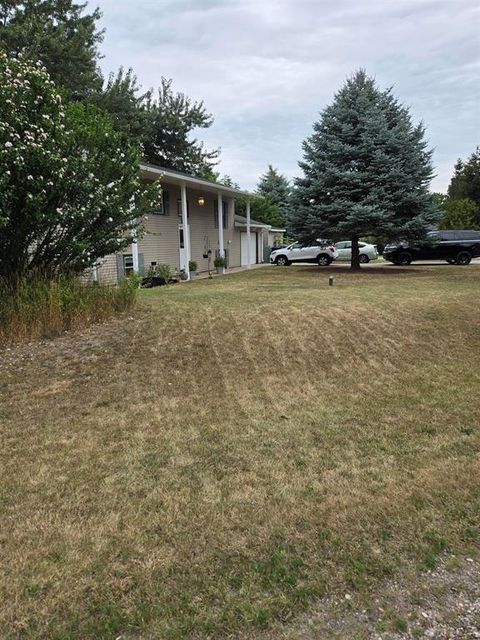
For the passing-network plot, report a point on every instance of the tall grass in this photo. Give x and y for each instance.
(39, 307)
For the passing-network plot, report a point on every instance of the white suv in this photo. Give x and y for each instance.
(319, 252)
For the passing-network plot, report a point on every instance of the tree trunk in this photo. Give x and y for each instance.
(355, 263)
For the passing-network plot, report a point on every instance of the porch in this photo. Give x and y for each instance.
(196, 222)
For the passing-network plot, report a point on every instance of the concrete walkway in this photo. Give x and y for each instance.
(204, 274)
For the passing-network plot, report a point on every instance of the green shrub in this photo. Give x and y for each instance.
(192, 265)
(219, 262)
(162, 271)
(36, 307)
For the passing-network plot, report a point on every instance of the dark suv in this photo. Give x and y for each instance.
(456, 247)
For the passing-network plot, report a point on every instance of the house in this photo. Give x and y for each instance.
(195, 217)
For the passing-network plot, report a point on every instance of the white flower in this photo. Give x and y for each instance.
(110, 219)
(8, 144)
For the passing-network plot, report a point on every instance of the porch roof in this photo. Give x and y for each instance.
(177, 177)
(240, 221)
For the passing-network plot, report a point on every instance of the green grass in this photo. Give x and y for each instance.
(236, 450)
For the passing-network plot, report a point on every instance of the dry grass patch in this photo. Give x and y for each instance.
(236, 450)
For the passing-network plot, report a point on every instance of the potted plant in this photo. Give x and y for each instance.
(220, 265)
(192, 267)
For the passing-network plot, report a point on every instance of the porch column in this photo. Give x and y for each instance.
(221, 248)
(135, 249)
(186, 232)
(248, 234)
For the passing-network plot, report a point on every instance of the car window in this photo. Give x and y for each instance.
(447, 235)
(467, 235)
(340, 245)
(348, 245)
(362, 244)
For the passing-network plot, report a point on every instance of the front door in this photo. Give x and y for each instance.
(183, 249)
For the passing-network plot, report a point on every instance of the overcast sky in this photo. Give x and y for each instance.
(265, 68)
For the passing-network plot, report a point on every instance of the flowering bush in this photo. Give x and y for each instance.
(69, 183)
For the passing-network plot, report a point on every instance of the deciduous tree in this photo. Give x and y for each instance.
(463, 213)
(68, 180)
(60, 34)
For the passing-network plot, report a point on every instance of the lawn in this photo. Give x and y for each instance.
(219, 460)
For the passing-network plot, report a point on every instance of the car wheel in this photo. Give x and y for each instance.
(282, 261)
(464, 257)
(404, 258)
(323, 260)
(364, 258)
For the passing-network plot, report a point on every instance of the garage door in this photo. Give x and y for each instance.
(244, 249)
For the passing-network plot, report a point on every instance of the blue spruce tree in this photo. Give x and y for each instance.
(366, 171)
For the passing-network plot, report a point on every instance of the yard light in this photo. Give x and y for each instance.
(201, 201)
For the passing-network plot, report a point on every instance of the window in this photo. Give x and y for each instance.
(447, 235)
(225, 213)
(127, 264)
(164, 208)
(467, 235)
(362, 244)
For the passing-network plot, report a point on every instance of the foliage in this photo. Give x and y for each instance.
(275, 187)
(58, 33)
(172, 119)
(261, 209)
(120, 97)
(465, 182)
(36, 307)
(366, 170)
(439, 199)
(460, 214)
(67, 178)
(219, 261)
(227, 180)
(192, 265)
(162, 271)
(163, 123)
(61, 35)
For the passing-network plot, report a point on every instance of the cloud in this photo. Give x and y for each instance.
(265, 69)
